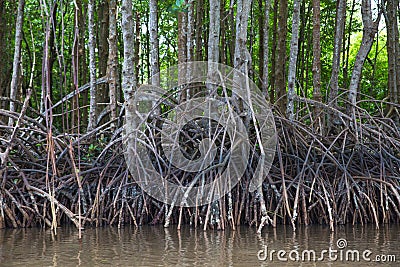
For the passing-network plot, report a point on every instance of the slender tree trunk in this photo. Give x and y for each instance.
(17, 58)
(213, 49)
(231, 45)
(136, 56)
(334, 82)
(316, 69)
(308, 53)
(53, 55)
(273, 51)
(190, 42)
(112, 68)
(370, 29)
(83, 68)
(241, 56)
(251, 41)
(294, 47)
(154, 53)
(374, 67)
(223, 33)
(92, 66)
(103, 28)
(190, 31)
(348, 41)
(302, 62)
(199, 30)
(145, 55)
(6, 70)
(128, 66)
(393, 53)
(3, 53)
(182, 30)
(280, 66)
(261, 41)
(265, 49)
(182, 52)
(213, 41)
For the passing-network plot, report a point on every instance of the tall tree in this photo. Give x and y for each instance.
(199, 29)
(92, 65)
(265, 47)
(241, 56)
(112, 64)
(213, 40)
(190, 40)
(190, 31)
(273, 50)
(102, 32)
(223, 46)
(182, 28)
(370, 28)
(280, 64)
(17, 58)
(182, 49)
(136, 55)
(154, 53)
(82, 67)
(316, 68)
(393, 53)
(338, 38)
(128, 67)
(294, 47)
(4, 84)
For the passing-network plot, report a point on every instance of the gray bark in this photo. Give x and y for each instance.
(213, 42)
(294, 47)
(17, 58)
(265, 59)
(154, 53)
(92, 66)
(241, 58)
(113, 58)
(190, 31)
(128, 67)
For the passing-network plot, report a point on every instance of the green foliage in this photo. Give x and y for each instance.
(373, 83)
(178, 6)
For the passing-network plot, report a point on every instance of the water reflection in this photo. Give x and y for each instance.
(157, 246)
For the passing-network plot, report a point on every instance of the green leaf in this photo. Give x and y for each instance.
(179, 3)
(179, 6)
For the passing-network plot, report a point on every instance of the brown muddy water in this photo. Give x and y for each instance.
(156, 246)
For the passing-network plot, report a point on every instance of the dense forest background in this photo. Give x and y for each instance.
(330, 69)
